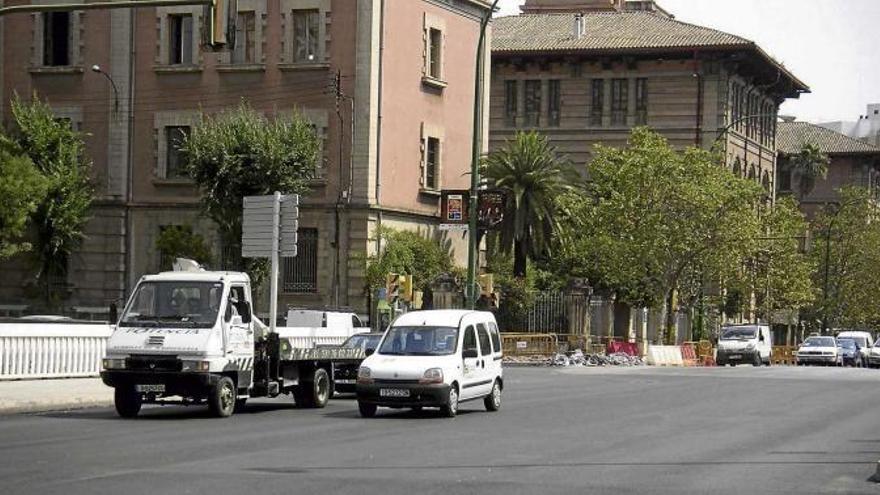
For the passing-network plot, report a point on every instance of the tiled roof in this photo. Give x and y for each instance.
(791, 137)
(603, 31)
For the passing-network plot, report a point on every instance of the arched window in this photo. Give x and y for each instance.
(737, 167)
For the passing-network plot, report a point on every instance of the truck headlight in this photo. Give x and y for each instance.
(113, 364)
(432, 375)
(365, 375)
(198, 366)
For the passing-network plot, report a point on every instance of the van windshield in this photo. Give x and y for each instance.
(420, 341)
(743, 333)
(178, 303)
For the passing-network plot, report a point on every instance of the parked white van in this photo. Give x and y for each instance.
(749, 344)
(434, 359)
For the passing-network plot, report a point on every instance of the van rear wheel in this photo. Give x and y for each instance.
(493, 400)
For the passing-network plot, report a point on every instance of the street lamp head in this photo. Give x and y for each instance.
(96, 68)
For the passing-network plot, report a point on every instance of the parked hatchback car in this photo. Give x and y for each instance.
(819, 350)
(863, 339)
(850, 353)
(874, 355)
(434, 359)
(345, 373)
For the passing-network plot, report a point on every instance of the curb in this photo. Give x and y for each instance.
(40, 407)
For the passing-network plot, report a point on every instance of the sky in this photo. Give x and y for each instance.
(831, 45)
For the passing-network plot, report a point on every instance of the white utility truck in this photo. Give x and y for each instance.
(190, 337)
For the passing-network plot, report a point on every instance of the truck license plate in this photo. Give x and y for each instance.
(393, 392)
(736, 356)
(149, 388)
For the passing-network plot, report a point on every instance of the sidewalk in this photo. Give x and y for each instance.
(53, 395)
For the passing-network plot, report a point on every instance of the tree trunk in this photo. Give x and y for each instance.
(519, 259)
(670, 332)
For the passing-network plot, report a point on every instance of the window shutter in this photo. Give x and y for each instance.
(423, 154)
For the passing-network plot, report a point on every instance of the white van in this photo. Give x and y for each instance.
(434, 359)
(750, 344)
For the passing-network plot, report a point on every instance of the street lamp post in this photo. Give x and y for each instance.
(726, 128)
(97, 68)
(470, 290)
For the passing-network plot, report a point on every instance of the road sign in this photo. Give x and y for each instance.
(268, 230)
(259, 223)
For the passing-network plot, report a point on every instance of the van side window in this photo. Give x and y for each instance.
(496, 339)
(470, 339)
(485, 345)
(356, 322)
(236, 293)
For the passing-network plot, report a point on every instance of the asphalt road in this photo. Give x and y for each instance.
(597, 431)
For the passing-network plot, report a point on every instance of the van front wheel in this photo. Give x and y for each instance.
(127, 402)
(366, 410)
(451, 407)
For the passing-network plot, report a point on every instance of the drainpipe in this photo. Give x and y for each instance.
(378, 191)
(129, 194)
(698, 74)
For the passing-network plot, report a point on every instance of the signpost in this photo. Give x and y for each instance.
(268, 229)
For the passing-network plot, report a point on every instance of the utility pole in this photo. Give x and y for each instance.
(343, 193)
(473, 255)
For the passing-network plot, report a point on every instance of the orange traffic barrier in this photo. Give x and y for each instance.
(688, 354)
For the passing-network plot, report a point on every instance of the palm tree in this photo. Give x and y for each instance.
(810, 164)
(532, 177)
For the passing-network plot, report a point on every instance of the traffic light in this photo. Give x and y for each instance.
(487, 284)
(392, 287)
(221, 16)
(406, 287)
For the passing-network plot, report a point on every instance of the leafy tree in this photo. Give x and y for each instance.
(22, 189)
(407, 252)
(810, 164)
(239, 153)
(58, 152)
(847, 253)
(778, 271)
(657, 222)
(528, 170)
(180, 241)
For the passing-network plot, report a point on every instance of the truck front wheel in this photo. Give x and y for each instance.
(127, 402)
(221, 399)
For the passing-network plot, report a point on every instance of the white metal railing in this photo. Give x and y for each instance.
(51, 350)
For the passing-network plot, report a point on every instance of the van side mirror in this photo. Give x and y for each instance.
(369, 352)
(227, 316)
(114, 314)
(469, 353)
(246, 312)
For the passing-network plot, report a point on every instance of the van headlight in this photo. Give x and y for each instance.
(365, 376)
(197, 366)
(113, 364)
(750, 347)
(432, 375)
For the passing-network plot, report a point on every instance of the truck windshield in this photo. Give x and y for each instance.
(739, 333)
(420, 341)
(177, 303)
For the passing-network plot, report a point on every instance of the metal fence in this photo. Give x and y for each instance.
(549, 312)
(48, 350)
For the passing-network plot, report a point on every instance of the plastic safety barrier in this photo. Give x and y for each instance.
(51, 350)
(665, 355)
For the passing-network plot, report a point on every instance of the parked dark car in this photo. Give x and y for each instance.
(850, 352)
(345, 374)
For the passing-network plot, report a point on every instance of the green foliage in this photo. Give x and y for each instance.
(656, 221)
(180, 241)
(407, 252)
(58, 152)
(778, 271)
(22, 189)
(847, 236)
(810, 164)
(528, 170)
(239, 153)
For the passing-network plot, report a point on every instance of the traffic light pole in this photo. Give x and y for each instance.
(470, 290)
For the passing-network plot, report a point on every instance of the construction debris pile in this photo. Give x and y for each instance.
(577, 358)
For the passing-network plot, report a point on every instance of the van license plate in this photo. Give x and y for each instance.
(736, 356)
(150, 388)
(393, 392)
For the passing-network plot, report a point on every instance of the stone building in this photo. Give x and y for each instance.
(407, 69)
(585, 72)
(852, 163)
